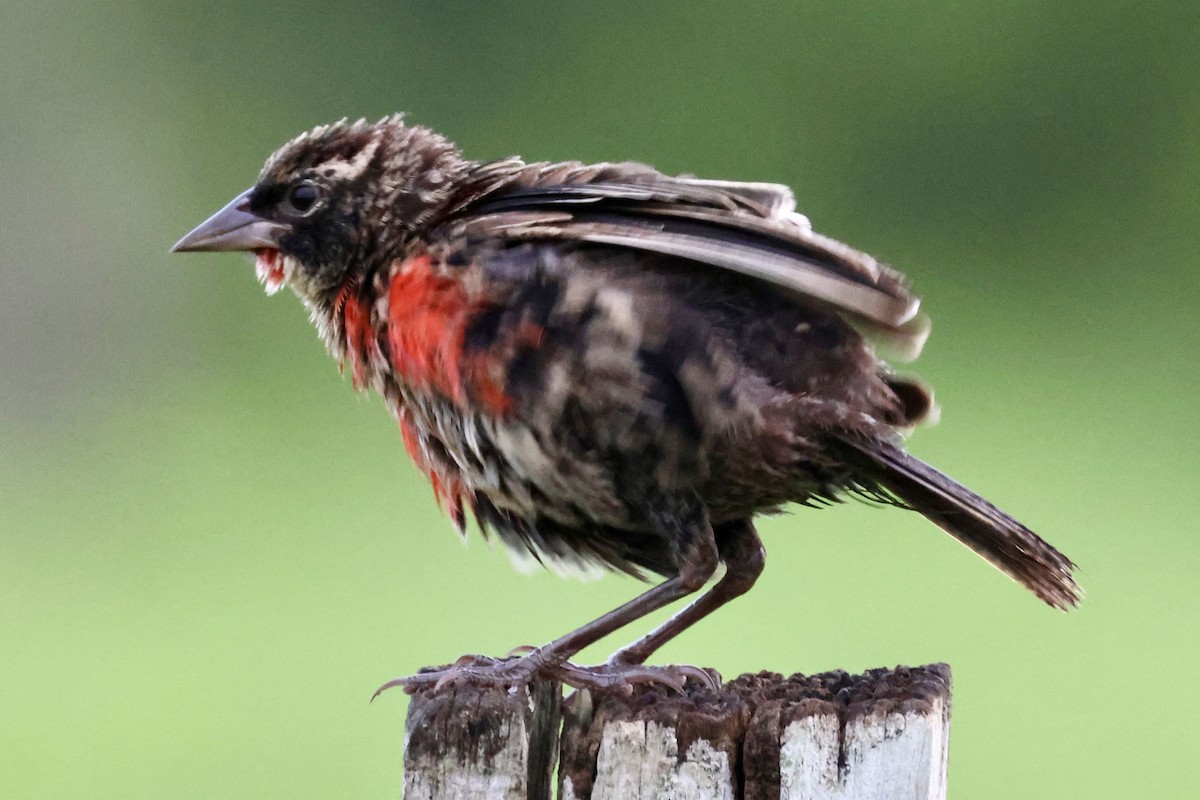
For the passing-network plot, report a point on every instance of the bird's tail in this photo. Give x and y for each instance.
(1007, 544)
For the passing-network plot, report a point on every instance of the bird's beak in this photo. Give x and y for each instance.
(234, 227)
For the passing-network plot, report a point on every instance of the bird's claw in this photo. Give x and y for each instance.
(622, 677)
(473, 669)
(533, 663)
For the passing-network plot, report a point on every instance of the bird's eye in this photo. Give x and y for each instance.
(303, 198)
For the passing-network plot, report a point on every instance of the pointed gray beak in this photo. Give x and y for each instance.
(234, 227)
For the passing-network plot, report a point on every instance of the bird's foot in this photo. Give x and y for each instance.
(536, 663)
(622, 677)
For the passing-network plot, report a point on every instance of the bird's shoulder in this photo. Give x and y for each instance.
(744, 229)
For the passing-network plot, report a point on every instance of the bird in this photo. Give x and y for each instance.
(609, 367)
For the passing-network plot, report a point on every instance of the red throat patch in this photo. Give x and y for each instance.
(447, 490)
(427, 321)
(268, 266)
(428, 315)
(361, 345)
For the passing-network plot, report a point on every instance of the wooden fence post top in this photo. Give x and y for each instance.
(464, 743)
(881, 735)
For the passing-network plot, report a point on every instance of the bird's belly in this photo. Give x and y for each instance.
(543, 472)
(511, 465)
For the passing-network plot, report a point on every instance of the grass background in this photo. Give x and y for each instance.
(211, 551)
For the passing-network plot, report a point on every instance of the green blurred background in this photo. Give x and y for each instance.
(211, 551)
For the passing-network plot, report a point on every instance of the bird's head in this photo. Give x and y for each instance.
(333, 203)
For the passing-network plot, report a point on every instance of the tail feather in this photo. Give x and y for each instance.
(1005, 543)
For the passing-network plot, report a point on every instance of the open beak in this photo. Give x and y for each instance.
(234, 227)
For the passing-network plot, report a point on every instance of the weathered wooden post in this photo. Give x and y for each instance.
(471, 744)
(882, 735)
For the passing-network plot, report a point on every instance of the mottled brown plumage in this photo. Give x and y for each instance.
(605, 365)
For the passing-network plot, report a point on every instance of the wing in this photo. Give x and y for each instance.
(747, 228)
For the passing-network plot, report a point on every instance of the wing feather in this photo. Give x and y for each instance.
(748, 228)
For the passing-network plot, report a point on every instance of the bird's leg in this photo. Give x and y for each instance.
(744, 556)
(697, 563)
